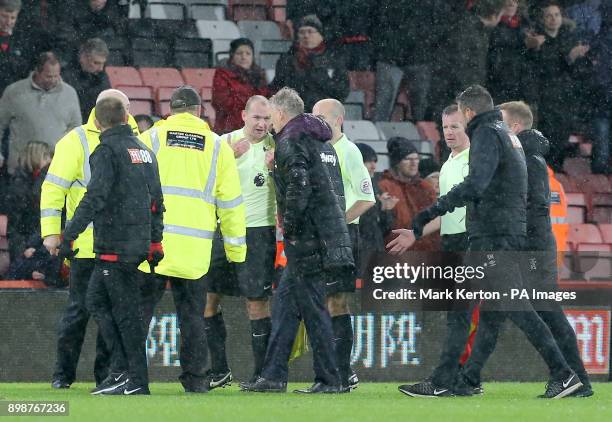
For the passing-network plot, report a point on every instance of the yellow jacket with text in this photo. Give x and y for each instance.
(200, 182)
(67, 180)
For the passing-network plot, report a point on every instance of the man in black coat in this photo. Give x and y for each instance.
(310, 200)
(124, 200)
(495, 192)
(87, 76)
(540, 272)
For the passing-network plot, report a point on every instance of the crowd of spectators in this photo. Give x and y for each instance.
(555, 55)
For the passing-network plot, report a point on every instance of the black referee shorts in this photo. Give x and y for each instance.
(253, 278)
(345, 282)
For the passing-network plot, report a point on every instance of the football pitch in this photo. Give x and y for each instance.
(370, 402)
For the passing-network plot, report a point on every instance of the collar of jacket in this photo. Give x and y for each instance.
(306, 124)
(481, 119)
(56, 88)
(90, 126)
(533, 142)
(121, 130)
(187, 119)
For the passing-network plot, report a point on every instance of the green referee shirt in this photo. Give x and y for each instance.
(355, 177)
(256, 184)
(453, 171)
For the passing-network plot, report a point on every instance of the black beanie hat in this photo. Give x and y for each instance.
(399, 148)
(367, 152)
(312, 21)
(239, 42)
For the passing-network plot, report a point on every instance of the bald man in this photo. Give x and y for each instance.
(254, 152)
(359, 198)
(66, 183)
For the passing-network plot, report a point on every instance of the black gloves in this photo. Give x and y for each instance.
(424, 217)
(65, 250)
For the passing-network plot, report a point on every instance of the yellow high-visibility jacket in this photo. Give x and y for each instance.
(67, 180)
(200, 181)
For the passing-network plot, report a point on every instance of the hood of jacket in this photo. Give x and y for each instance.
(483, 118)
(533, 142)
(306, 124)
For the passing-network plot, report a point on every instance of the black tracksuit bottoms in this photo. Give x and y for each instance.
(113, 299)
(190, 301)
(298, 297)
(527, 320)
(73, 325)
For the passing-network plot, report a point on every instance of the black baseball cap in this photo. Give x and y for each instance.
(185, 96)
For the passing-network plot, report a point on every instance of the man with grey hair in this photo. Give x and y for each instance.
(87, 76)
(310, 200)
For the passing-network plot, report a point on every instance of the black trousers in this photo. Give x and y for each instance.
(540, 272)
(190, 301)
(113, 298)
(73, 325)
(297, 297)
(527, 320)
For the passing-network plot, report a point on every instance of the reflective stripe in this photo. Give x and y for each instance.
(190, 193)
(229, 204)
(50, 212)
(56, 180)
(188, 231)
(154, 141)
(86, 169)
(210, 183)
(557, 220)
(236, 241)
(89, 226)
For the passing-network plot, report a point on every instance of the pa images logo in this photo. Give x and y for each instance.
(259, 180)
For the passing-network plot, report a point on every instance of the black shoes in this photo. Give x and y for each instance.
(128, 389)
(425, 389)
(318, 388)
(556, 389)
(353, 381)
(219, 380)
(60, 384)
(583, 391)
(263, 385)
(111, 382)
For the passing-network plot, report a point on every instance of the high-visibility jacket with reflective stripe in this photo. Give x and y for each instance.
(198, 185)
(558, 211)
(67, 180)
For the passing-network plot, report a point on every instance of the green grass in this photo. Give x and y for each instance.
(514, 402)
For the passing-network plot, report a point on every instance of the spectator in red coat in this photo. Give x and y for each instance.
(234, 83)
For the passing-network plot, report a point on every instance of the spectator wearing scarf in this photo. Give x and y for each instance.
(235, 81)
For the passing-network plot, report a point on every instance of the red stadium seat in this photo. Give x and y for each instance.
(209, 113)
(123, 76)
(22, 284)
(576, 166)
(606, 233)
(199, 78)
(569, 184)
(583, 233)
(137, 92)
(593, 183)
(3, 224)
(576, 208)
(163, 100)
(364, 81)
(206, 94)
(161, 76)
(141, 107)
(254, 10)
(428, 130)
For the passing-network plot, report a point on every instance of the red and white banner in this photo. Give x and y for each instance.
(592, 329)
